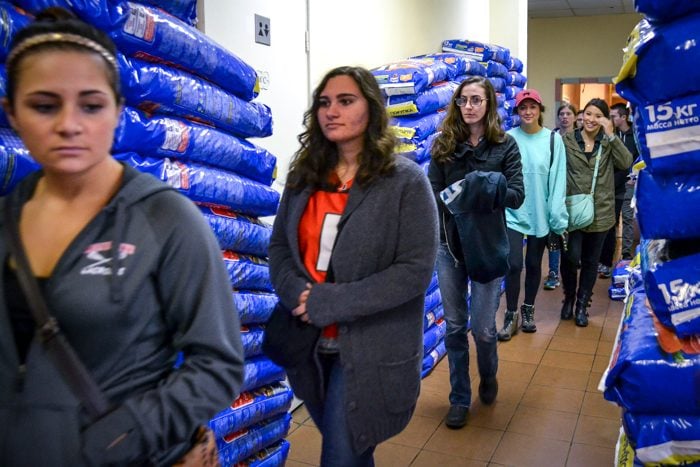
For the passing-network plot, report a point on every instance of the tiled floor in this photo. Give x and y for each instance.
(548, 412)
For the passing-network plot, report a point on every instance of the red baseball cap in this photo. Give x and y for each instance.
(528, 94)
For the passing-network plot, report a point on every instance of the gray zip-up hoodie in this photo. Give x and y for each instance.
(143, 280)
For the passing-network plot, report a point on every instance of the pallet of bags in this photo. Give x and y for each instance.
(618, 278)
(428, 101)
(665, 10)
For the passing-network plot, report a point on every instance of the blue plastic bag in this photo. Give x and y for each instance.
(433, 316)
(186, 10)
(477, 50)
(666, 10)
(11, 21)
(409, 76)
(673, 48)
(516, 79)
(433, 336)
(425, 102)
(254, 307)
(495, 69)
(160, 136)
(147, 33)
(209, 185)
(260, 371)
(274, 455)
(515, 64)
(672, 284)
(237, 232)
(669, 135)
(160, 89)
(417, 128)
(668, 206)
(644, 378)
(15, 161)
(431, 360)
(252, 407)
(238, 446)
(247, 272)
(664, 439)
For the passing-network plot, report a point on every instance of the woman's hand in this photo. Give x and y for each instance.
(300, 311)
(607, 125)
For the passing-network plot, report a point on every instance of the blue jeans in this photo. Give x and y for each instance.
(329, 417)
(452, 278)
(554, 261)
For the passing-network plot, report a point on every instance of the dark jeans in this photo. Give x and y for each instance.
(329, 417)
(606, 256)
(533, 267)
(584, 247)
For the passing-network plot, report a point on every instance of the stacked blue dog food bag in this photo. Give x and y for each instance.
(190, 105)
(654, 373)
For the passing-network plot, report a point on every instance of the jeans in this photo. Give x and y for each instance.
(329, 417)
(452, 278)
(627, 224)
(554, 258)
(584, 247)
(533, 268)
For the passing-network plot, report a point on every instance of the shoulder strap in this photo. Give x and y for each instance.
(57, 346)
(595, 171)
(551, 149)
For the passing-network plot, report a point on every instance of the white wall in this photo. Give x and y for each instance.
(368, 33)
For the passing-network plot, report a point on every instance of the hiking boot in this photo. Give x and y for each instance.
(552, 281)
(457, 416)
(528, 312)
(510, 325)
(581, 313)
(604, 272)
(567, 309)
(488, 389)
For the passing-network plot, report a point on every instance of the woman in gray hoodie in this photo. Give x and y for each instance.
(128, 267)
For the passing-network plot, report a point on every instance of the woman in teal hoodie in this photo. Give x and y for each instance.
(544, 211)
(128, 267)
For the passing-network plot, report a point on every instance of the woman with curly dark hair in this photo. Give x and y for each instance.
(475, 173)
(352, 252)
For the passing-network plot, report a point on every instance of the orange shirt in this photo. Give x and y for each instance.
(318, 229)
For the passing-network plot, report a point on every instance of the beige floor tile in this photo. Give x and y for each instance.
(600, 363)
(608, 334)
(570, 360)
(569, 329)
(394, 455)
(516, 354)
(495, 416)
(509, 391)
(594, 404)
(582, 455)
(432, 404)
(300, 415)
(525, 340)
(525, 451)
(543, 423)
(305, 445)
(441, 459)
(417, 433)
(469, 442)
(571, 344)
(604, 348)
(515, 371)
(597, 431)
(561, 377)
(551, 398)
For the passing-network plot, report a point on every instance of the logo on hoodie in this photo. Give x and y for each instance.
(101, 264)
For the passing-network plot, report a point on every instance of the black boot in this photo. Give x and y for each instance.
(528, 312)
(510, 326)
(567, 309)
(581, 310)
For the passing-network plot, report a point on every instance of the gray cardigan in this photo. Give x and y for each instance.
(382, 264)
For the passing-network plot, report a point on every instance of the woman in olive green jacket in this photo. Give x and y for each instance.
(585, 245)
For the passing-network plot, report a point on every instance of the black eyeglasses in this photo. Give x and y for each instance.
(475, 101)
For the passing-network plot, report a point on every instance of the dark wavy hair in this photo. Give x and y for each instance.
(453, 128)
(60, 20)
(317, 157)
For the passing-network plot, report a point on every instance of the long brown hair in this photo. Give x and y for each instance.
(455, 131)
(317, 157)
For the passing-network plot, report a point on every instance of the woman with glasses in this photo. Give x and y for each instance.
(476, 169)
(544, 174)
